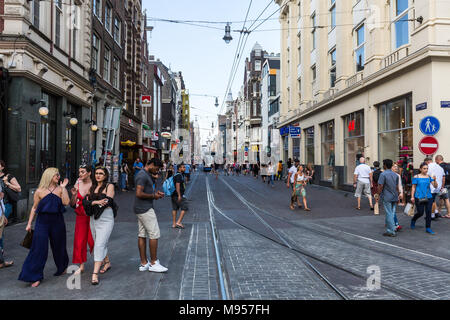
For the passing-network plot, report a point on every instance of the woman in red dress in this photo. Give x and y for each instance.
(83, 235)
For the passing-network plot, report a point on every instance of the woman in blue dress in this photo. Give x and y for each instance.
(421, 196)
(49, 201)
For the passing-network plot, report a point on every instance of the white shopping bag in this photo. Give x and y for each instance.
(407, 208)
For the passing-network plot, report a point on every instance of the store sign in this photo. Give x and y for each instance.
(146, 101)
(421, 106)
(430, 126)
(154, 136)
(284, 131)
(294, 132)
(351, 126)
(445, 104)
(428, 146)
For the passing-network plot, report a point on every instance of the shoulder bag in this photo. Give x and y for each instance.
(13, 196)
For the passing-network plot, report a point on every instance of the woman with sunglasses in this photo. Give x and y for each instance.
(49, 201)
(100, 206)
(421, 196)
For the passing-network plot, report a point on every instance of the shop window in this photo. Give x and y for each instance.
(353, 142)
(328, 155)
(296, 148)
(309, 145)
(395, 130)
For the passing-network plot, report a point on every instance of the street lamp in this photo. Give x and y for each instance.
(227, 37)
(73, 121)
(43, 110)
(94, 127)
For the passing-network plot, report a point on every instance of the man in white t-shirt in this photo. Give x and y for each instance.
(290, 181)
(435, 169)
(362, 180)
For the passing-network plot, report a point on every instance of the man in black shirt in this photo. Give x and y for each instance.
(178, 201)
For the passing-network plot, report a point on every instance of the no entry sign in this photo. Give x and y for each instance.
(428, 145)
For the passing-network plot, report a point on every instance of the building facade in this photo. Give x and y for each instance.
(358, 77)
(45, 50)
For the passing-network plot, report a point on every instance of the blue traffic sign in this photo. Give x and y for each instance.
(430, 126)
(294, 131)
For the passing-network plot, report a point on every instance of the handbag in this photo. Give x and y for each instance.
(407, 208)
(27, 241)
(423, 200)
(12, 195)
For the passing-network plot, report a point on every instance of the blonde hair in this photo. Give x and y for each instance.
(47, 177)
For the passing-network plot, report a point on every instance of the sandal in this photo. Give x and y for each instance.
(307, 209)
(103, 270)
(6, 264)
(36, 284)
(179, 226)
(93, 282)
(292, 207)
(358, 208)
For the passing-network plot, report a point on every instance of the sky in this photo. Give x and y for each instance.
(201, 54)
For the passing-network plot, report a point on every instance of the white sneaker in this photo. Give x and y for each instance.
(157, 267)
(145, 267)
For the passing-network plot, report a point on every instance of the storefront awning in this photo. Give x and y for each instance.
(127, 143)
(149, 149)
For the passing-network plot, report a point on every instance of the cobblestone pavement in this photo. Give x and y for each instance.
(255, 267)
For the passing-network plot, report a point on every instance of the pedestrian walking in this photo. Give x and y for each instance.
(100, 206)
(270, 174)
(263, 172)
(187, 172)
(148, 226)
(374, 190)
(49, 200)
(300, 180)
(421, 196)
(12, 189)
(178, 199)
(83, 236)
(169, 172)
(125, 171)
(3, 223)
(395, 169)
(137, 166)
(443, 195)
(255, 170)
(389, 194)
(216, 170)
(434, 169)
(362, 180)
(279, 170)
(290, 182)
(310, 172)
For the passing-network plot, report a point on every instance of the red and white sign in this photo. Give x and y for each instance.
(146, 101)
(428, 146)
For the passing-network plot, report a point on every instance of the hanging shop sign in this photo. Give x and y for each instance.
(146, 101)
(166, 135)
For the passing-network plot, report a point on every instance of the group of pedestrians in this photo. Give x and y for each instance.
(396, 185)
(92, 198)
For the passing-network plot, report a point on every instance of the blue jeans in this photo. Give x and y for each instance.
(390, 208)
(123, 180)
(8, 210)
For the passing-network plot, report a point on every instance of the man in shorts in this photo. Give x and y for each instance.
(178, 201)
(147, 221)
(362, 180)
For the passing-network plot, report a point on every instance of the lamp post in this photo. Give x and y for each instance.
(227, 37)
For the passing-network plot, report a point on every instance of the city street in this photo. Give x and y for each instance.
(266, 251)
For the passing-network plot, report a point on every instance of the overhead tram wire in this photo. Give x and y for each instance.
(239, 56)
(235, 57)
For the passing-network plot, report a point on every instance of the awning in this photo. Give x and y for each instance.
(127, 143)
(149, 149)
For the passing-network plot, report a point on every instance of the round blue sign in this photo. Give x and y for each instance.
(430, 126)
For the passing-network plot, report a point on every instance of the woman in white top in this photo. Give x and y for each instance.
(270, 173)
(300, 180)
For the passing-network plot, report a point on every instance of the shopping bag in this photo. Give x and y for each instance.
(26, 242)
(376, 208)
(411, 208)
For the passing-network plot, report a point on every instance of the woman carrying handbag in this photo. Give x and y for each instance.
(421, 196)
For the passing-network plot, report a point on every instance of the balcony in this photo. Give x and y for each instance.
(354, 79)
(395, 56)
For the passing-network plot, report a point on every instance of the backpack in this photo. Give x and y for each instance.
(169, 186)
(376, 175)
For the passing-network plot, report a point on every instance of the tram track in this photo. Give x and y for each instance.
(285, 242)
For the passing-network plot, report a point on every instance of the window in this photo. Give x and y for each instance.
(360, 58)
(257, 65)
(95, 52)
(401, 6)
(333, 15)
(108, 18)
(274, 107)
(313, 32)
(401, 23)
(115, 74)
(106, 62)
(353, 142)
(395, 129)
(75, 17)
(117, 30)
(255, 109)
(36, 13)
(328, 157)
(58, 13)
(333, 68)
(309, 145)
(313, 72)
(98, 9)
(272, 85)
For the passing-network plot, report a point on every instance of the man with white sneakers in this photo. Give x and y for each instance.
(147, 221)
